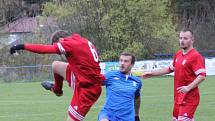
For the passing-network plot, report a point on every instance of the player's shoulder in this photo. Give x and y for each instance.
(178, 52)
(195, 54)
(75, 41)
(76, 36)
(72, 37)
(112, 73)
(137, 79)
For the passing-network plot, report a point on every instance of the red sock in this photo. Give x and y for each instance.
(58, 85)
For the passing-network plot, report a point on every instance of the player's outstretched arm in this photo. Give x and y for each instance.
(158, 72)
(36, 48)
(146, 74)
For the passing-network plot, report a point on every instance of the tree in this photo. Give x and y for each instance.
(115, 26)
(9, 10)
(199, 15)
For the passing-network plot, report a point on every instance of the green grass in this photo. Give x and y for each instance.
(29, 102)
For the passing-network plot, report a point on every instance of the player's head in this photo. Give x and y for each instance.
(186, 39)
(126, 62)
(57, 35)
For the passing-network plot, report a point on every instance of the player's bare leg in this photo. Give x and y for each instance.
(59, 72)
(59, 68)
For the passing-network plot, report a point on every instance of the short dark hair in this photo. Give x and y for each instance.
(129, 54)
(187, 29)
(57, 35)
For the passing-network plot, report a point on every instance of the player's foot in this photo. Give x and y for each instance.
(49, 86)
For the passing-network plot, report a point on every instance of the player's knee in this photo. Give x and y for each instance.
(58, 65)
(55, 65)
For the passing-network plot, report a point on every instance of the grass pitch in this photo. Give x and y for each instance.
(30, 102)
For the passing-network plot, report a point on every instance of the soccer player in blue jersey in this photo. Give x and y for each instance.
(122, 92)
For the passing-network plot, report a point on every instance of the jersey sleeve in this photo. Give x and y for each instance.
(198, 65)
(67, 45)
(64, 47)
(107, 77)
(41, 49)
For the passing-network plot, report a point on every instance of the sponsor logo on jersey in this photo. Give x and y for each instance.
(185, 114)
(75, 107)
(134, 83)
(184, 61)
(116, 78)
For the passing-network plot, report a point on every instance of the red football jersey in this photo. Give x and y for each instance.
(186, 68)
(82, 56)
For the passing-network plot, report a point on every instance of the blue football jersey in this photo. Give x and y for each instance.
(121, 90)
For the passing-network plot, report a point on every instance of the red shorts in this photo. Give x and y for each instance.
(184, 111)
(83, 98)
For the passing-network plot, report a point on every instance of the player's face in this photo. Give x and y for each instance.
(186, 40)
(125, 64)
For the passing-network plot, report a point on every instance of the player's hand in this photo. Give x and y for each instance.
(183, 89)
(14, 48)
(146, 75)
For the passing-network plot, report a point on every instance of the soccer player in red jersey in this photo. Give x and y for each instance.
(82, 71)
(189, 71)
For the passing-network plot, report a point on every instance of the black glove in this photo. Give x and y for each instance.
(16, 47)
(137, 118)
